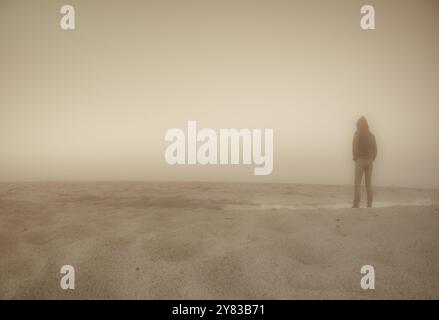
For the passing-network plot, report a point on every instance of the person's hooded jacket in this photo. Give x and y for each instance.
(364, 144)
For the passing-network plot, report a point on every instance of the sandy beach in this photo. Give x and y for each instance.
(215, 241)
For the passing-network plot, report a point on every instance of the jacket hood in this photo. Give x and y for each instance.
(362, 124)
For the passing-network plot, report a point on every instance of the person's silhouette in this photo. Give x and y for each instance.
(364, 150)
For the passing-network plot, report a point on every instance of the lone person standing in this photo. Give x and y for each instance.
(364, 150)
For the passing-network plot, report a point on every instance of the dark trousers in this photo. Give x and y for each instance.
(363, 166)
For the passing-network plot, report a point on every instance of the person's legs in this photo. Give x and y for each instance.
(368, 178)
(358, 177)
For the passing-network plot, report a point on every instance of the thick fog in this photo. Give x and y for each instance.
(95, 103)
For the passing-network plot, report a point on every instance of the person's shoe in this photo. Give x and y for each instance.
(355, 206)
(369, 205)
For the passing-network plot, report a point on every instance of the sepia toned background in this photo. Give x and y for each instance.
(94, 103)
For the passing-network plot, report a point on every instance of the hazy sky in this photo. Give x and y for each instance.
(95, 103)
